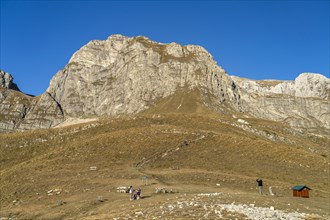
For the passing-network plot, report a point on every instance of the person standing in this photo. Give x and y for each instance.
(259, 181)
(138, 193)
(131, 190)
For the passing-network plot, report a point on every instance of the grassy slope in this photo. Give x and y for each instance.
(178, 143)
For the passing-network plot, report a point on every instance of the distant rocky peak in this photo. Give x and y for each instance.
(6, 81)
(305, 85)
(312, 85)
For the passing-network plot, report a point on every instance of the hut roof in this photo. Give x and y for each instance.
(300, 187)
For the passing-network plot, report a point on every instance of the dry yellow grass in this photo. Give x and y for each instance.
(187, 148)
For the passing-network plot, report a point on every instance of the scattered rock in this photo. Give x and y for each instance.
(93, 168)
(203, 206)
(122, 189)
(163, 190)
(139, 214)
(54, 192)
(242, 121)
(16, 202)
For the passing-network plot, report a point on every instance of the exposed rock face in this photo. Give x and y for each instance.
(6, 81)
(13, 104)
(19, 111)
(44, 113)
(305, 85)
(303, 102)
(123, 75)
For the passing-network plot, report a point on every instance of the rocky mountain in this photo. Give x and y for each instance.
(124, 75)
(19, 111)
(13, 104)
(302, 103)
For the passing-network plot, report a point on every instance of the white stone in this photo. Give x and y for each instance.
(242, 121)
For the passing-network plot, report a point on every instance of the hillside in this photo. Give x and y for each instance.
(180, 145)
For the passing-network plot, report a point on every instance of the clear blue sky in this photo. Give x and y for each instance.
(252, 39)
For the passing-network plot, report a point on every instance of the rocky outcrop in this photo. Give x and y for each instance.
(13, 104)
(45, 113)
(302, 103)
(305, 85)
(6, 81)
(126, 75)
(19, 111)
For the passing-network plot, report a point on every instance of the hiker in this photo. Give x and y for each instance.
(130, 191)
(137, 194)
(259, 181)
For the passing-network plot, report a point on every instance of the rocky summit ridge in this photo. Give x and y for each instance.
(127, 75)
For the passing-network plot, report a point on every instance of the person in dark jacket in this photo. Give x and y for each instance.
(259, 181)
(137, 194)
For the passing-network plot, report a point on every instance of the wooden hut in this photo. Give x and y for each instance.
(301, 191)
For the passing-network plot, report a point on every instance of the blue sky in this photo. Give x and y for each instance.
(252, 39)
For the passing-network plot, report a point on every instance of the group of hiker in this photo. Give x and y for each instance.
(134, 194)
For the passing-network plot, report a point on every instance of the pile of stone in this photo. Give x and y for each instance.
(122, 189)
(54, 192)
(208, 206)
(163, 190)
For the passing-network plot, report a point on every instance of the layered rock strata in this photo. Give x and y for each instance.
(303, 103)
(124, 75)
(19, 111)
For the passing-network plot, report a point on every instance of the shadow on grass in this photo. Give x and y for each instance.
(145, 197)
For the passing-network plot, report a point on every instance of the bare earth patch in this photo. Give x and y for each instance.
(74, 121)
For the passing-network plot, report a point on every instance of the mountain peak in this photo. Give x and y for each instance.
(7, 81)
(116, 37)
(305, 85)
(128, 75)
(105, 52)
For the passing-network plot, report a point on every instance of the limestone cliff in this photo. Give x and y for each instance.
(126, 75)
(19, 111)
(6, 81)
(303, 103)
(13, 104)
